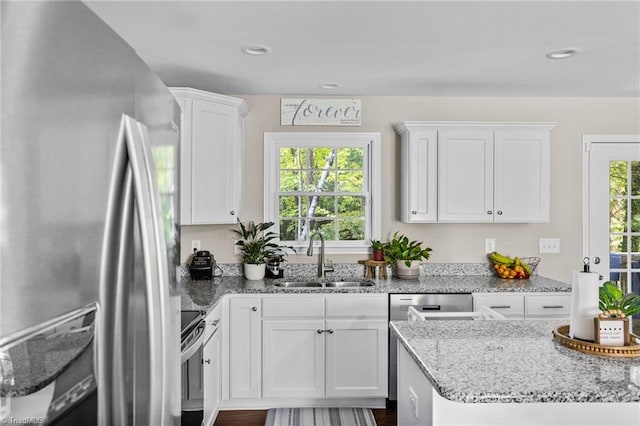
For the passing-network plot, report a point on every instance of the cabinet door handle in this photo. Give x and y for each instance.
(253, 308)
(232, 212)
(499, 212)
(500, 307)
(489, 211)
(330, 330)
(414, 212)
(553, 306)
(320, 331)
(215, 322)
(206, 361)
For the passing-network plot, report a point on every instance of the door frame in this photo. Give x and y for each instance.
(587, 141)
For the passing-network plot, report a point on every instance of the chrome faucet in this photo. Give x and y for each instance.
(322, 268)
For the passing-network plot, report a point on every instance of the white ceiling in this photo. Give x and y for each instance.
(426, 48)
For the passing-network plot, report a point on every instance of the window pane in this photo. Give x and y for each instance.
(322, 158)
(320, 181)
(289, 230)
(322, 206)
(617, 243)
(351, 158)
(351, 229)
(351, 206)
(617, 178)
(618, 215)
(293, 206)
(635, 178)
(350, 181)
(293, 158)
(326, 227)
(635, 215)
(635, 244)
(291, 181)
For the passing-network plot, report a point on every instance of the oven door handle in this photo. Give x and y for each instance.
(193, 347)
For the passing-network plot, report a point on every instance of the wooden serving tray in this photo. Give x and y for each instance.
(561, 334)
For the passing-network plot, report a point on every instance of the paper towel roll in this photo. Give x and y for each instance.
(584, 304)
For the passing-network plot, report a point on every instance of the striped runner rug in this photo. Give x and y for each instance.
(320, 417)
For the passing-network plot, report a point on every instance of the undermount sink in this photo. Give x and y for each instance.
(318, 284)
(298, 284)
(349, 284)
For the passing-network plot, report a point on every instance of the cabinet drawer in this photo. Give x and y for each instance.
(511, 306)
(293, 307)
(547, 306)
(357, 306)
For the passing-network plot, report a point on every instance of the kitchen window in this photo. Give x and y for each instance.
(323, 182)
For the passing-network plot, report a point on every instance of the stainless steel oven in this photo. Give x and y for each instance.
(191, 339)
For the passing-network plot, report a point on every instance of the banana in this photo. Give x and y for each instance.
(501, 259)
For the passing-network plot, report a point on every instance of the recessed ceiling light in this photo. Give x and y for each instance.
(329, 86)
(255, 49)
(561, 54)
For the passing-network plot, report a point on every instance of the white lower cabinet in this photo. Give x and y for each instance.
(293, 358)
(525, 305)
(245, 348)
(356, 358)
(314, 347)
(211, 368)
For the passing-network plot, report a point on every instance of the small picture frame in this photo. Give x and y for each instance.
(611, 331)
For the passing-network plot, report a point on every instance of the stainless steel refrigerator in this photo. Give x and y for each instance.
(89, 320)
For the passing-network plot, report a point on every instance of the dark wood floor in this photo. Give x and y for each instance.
(257, 417)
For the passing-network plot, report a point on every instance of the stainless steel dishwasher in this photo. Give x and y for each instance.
(399, 310)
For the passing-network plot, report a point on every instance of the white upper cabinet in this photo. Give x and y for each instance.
(474, 172)
(418, 180)
(212, 157)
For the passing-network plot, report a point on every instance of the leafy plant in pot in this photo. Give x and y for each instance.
(257, 245)
(377, 248)
(405, 255)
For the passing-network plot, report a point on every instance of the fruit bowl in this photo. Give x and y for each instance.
(513, 268)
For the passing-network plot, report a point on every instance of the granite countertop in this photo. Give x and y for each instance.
(514, 361)
(205, 294)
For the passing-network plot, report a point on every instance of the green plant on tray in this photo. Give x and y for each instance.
(614, 303)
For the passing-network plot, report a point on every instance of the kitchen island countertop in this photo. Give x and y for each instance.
(515, 361)
(205, 294)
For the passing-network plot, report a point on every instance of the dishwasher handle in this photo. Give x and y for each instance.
(429, 307)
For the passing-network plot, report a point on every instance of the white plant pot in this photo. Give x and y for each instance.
(408, 272)
(253, 271)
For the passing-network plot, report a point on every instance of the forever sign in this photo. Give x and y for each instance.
(320, 112)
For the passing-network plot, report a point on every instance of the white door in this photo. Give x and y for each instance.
(245, 347)
(211, 374)
(293, 354)
(465, 176)
(612, 208)
(357, 358)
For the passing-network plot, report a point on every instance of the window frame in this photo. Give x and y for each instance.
(273, 141)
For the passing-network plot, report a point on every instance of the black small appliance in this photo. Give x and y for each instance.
(202, 265)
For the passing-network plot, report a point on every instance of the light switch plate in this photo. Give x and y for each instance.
(549, 245)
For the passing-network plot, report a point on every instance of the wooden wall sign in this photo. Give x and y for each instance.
(320, 112)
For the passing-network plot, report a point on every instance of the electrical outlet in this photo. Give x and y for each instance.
(489, 245)
(195, 245)
(549, 245)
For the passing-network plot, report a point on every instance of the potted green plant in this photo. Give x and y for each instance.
(257, 245)
(405, 255)
(377, 248)
(615, 304)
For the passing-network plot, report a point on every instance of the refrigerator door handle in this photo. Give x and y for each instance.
(111, 411)
(156, 270)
